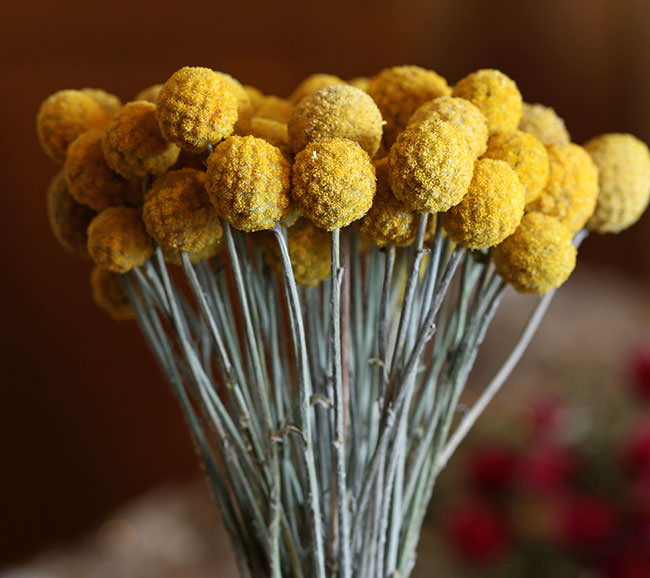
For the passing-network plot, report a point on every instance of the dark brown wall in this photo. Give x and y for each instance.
(85, 420)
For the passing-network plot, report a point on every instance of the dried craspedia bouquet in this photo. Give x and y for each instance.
(343, 252)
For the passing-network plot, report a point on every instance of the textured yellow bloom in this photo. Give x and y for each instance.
(271, 131)
(117, 239)
(178, 213)
(110, 294)
(460, 113)
(623, 163)
(572, 187)
(63, 116)
(274, 108)
(311, 83)
(336, 111)
(333, 182)
(196, 108)
(399, 91)
(255, 95)
(538, 257)
(526, 155)
(109, 102)
(388, 220)
(90, 180)
(149, 94)
(133, 145)
(495, 95)
(173, 256)
(248, 182)
(430, 166)
(490, 211)
(244, 104)
(360, 82)
(68, 218)
(544, 124)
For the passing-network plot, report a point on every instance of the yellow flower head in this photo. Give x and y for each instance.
(149, 94)
(623, 163)
(490, 211)
(248, 182)
(273, 132)
(255, 95)
(196, 108)
(572, 187)
(274, 108)
(399, 91)
(109, 102)
(110, 295)
(333, 182)
(360, 82)
(63, 116)
(495, 95)
(544, 124)
(430, 166)
(178, 213)
(538, 257)
(311, 83)
(526, 155)
(133, 145)
(244, 104)
(388, 220)
(173, 256)
(117, 239)
(68, 218)
(90, 180)
(336, 111)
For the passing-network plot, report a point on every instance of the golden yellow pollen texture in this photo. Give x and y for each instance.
(109, 102)
(495, 95)
(572, 187)
(173, 256)
(149, 94)
(336, 111)
(110, 295)
(274, 108)
(430, 166)
(361, 82)
(273, 132)
(544, 124)
(538, 257)
(244, 104)
(526, 155)
(255, 95)
(333, 182)
(196, 108)
(248, 182)
(490, 211)
(623, 163)
(117, 239)
(311, 83)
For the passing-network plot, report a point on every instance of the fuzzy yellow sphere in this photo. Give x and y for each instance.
(311, 83)
(273, 132)
(544, 124)
(538, 257)
(526, 155)
(133, 145)
(117, 239)
(336, 111)
(623, 163)
(495, 95)
(399, 91)
(572, 188)
(255, 95)
(109, 294)
(196, 108)
(149, 94)
(178, 213)
(361, 82)
(490, 211)
(173, 256)
(248, 182)
(274, 108)
(65, 115)
(244, 104)
(333, 182)
(460, 113)
(109, 102)
(430, 166)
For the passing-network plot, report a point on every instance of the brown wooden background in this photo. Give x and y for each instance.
(85, 420)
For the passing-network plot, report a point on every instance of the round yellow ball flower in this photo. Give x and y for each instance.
(360, 82)
(572, 188)
(109, 294)
(311, 83)
(173, 256)
(248, 182)
(275, 108)
(149, 94)
(495, 95)
(399, 91)
(333, 182)
(544, 124)
(430, 166)
(244, 104)
(255, 95)
(65, 115)
(490, 211)
(388, 220)
(117, 239)
(538, 257)
(109, 102)
(336, 111)
(526, 155)
(68, 218)
(196, 108)
(133, 145)
(460, 113)
(273, 132)
(90, 180)
(623, 163)
(178, 213)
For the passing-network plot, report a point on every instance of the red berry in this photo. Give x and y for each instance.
(585, 522)
(547, 468)
(640, 373)
(491, 468)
